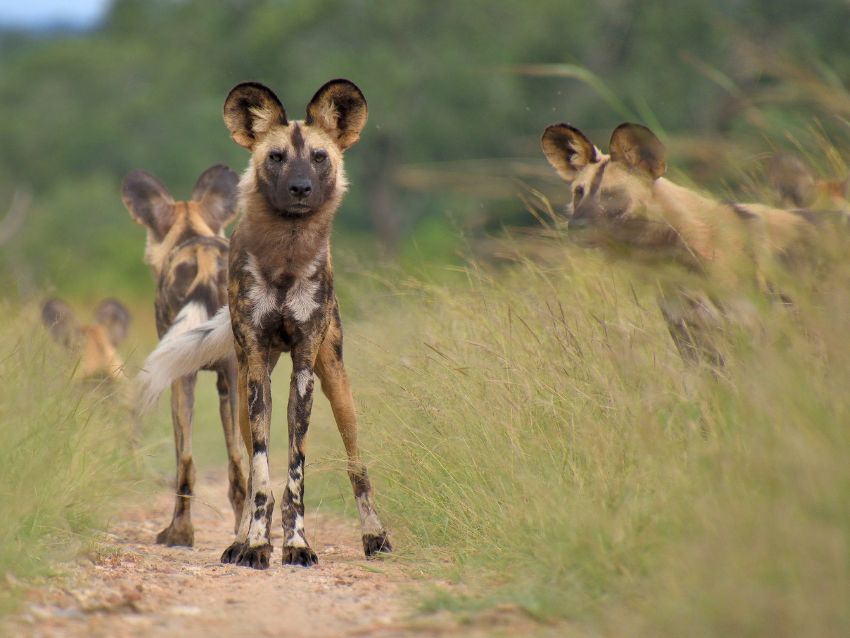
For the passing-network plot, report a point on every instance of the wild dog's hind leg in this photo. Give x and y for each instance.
(226, 385)
(296, 549)
(234, 552)
(180, 531)
(335, 385)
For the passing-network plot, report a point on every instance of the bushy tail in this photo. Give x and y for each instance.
(192, 343)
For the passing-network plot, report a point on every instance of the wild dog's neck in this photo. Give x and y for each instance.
(285, 245)
(712, 234)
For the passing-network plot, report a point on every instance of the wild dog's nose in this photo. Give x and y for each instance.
(300, 187)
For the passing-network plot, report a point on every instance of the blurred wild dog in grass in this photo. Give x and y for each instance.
(187, 251)
(622, 202)
(798, 187)
(97, 343)
(281, 299)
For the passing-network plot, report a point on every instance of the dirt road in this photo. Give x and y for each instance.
(133, 587)
(137, 588)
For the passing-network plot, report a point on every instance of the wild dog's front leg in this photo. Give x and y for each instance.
(180, 531)
(226, 385)
(296, 550)
(337, 389)
(694, 323)
(252, 547)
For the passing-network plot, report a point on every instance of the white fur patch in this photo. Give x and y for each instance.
(302, 379)
(263, 297)
(257, 532)
(369, 521)
(297, 539)
(301, 299)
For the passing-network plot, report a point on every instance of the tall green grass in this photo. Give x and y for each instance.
(64, 450)
(537, 439)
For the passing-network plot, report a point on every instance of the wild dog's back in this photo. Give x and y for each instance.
(192, 285)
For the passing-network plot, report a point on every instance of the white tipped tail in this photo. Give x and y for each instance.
(192, 343)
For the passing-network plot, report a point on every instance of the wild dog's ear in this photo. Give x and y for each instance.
(340, 109)
(637, 147)
(250, 110)
(792, 179)
(59, 319)
(567, 149)
(149, 202)
(114, 316)
(215, 191)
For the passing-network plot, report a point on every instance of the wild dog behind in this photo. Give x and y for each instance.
(281, 299)
(622, 201)
(798, 187)
(187, 251)
(96, 343)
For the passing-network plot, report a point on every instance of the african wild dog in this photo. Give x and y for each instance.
(621, 200)
(797, 186)
(281, 299)
(187, 251)
(96, 343)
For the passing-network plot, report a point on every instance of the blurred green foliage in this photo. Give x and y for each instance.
(445, 82)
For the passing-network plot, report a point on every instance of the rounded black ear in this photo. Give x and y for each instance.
(339, 108)
(215, 191)
(792, 179)
(250, 111)
(149, 202)
(59, 319)
(638, 148)
(114, 316)
(567, 149)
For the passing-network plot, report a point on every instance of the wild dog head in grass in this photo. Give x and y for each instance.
(622, 201)
(96, 343)
(797, 186)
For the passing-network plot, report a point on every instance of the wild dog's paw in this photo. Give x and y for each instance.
(376, 544)
(231, 554)
(302, 556)
(253, 557)
(174, 536)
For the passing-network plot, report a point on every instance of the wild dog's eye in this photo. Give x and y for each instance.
(616, 202)
(578, 193)
(277, 156)
(319, 156)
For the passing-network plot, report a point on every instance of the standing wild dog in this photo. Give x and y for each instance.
(281, 299)
(96, 343)
(187, 251)
(621, 200)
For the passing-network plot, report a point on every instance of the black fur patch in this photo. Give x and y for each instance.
(597, 179)
(256, 400)
(297, 138)
(810, 216)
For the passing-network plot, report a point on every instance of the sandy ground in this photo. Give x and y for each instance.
(134, 587)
